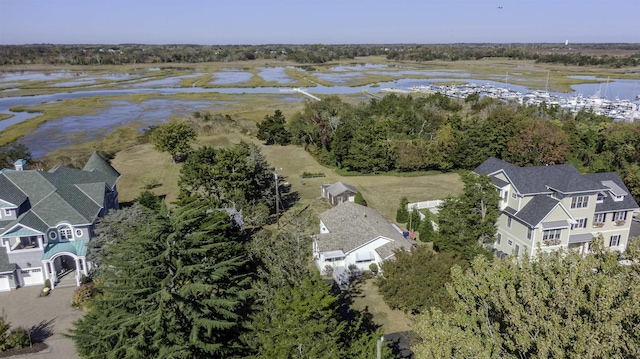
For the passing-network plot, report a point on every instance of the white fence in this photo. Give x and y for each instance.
(432, 206)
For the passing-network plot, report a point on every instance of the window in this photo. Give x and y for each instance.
(513, 195)
(517, 249)
(599, 218)
(529, 230)
(580, 202)
(78, 232)
(551, 234)
(499, 238)
(614, 240)
(7, 212)
(509, 222)
(600, 198)
(65, 233)
(53, 235)
(510, 243)
(580, 223)
(619, 216)
(506, 196)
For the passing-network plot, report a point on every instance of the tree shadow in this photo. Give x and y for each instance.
(41, 331)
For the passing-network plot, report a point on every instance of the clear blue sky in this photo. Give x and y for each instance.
(317, 21)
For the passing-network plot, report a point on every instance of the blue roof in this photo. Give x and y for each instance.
(20, 231)
(77, 248)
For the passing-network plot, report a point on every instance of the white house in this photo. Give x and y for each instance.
(47, 219)
(351, 234)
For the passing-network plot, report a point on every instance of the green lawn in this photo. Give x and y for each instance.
(382, 192)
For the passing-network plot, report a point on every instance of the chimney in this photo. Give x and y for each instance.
(20, 165)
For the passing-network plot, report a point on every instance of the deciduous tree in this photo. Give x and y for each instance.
(415, 280)
(566, 305)
(173, 137)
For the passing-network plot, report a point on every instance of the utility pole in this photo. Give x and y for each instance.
(275, 175)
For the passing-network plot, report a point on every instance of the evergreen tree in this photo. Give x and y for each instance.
(425, 231)
(172, 287)
(402, 214)
(468, 221)
(273, 131)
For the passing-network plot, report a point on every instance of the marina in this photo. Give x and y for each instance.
(617, 109)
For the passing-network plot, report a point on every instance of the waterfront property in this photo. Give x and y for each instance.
(551, 207)
(352, 237)
(47, 219)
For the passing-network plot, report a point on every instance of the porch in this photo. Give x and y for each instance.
(65, 263)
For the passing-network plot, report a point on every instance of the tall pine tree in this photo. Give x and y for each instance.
(174, 286)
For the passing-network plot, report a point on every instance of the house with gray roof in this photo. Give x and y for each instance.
(47, 219)
(339, 192)
(552, 207)
(351, 234)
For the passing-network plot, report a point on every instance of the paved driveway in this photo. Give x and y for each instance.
(54, 313)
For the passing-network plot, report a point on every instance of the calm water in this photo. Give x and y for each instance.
(62, 132)
(56, 134)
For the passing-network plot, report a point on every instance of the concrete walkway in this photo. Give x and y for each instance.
(53, 313)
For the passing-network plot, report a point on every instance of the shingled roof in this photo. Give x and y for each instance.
(339, 188)
(542, 179)
(352, 226)
(61, 194)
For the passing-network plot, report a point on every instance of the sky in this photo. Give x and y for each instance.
(255, 22)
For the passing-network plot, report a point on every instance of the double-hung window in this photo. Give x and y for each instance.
(579, 202)
(551, 234)
(580, 223)
(614, 240)
(599, 218)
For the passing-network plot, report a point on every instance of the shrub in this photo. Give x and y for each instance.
(83, 294)
(47, 283)
(373, 268)
(360, 200)
(19, 338)
(306, 174)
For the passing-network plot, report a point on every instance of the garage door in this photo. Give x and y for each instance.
(32, 277)
(4, 283)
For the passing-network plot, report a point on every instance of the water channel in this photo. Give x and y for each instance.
(69, 129)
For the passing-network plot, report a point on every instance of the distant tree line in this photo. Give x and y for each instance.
(96, 54)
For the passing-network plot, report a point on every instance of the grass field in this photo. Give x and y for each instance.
(365, 297)
(383, 192)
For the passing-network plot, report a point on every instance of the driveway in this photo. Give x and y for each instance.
(53, 313)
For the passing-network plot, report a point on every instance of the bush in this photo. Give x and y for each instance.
(373, 268)
(47, 283)
(360, 200)
(83, 294)
(19, 338)
(306, 174)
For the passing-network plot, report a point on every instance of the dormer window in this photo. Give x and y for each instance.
(618, 198)
(65, 233)
(601, 197)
